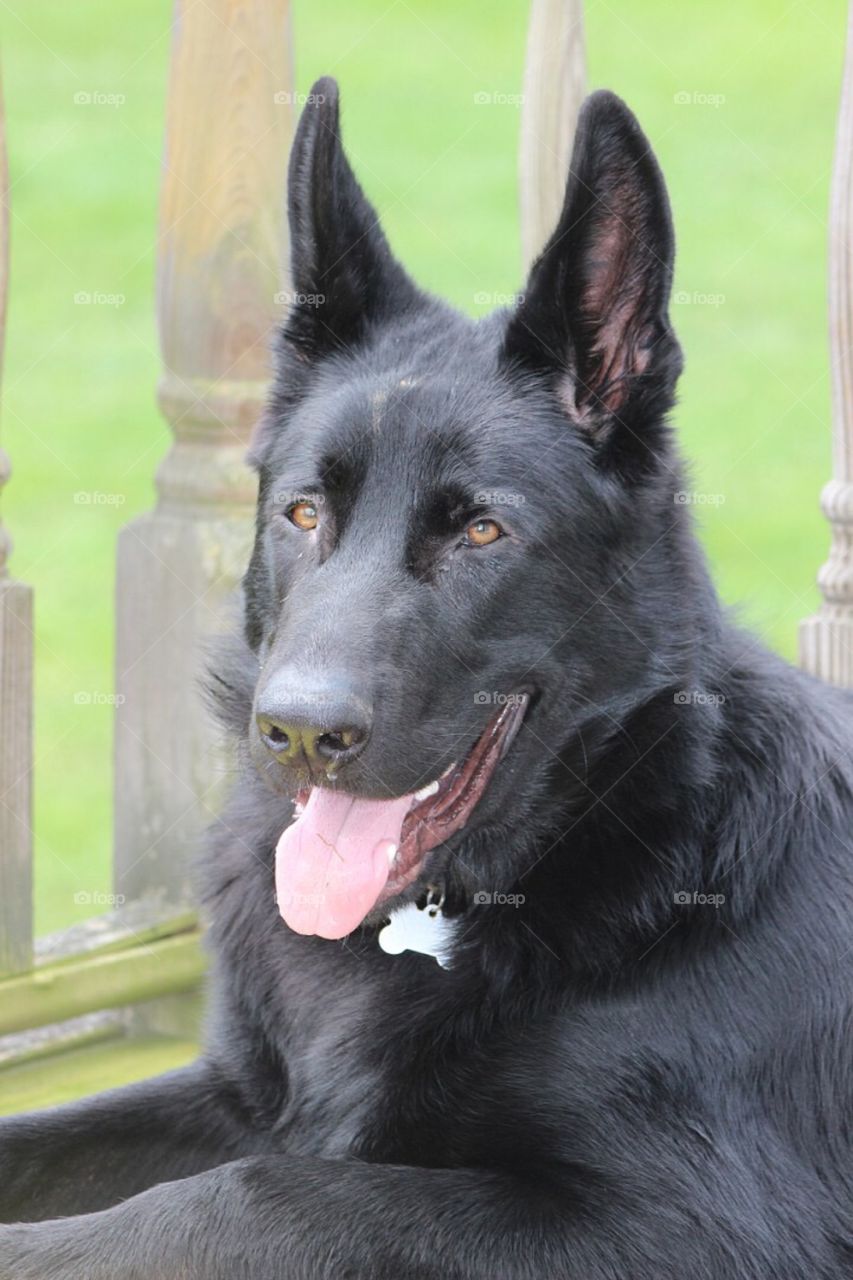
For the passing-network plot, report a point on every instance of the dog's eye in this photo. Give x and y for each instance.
(303, 515)
(482, 532)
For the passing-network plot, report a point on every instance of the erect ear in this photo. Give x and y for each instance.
(344, 275)
(593, 317)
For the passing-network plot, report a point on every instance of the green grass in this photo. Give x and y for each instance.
(749, 181)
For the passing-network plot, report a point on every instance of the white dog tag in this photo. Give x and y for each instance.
(423, 929)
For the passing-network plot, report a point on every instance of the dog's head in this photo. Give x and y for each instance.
(467, 544)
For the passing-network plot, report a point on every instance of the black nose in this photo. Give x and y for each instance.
(312, 725)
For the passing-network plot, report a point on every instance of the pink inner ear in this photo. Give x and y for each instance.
(619, 353)
(621, 356)
(606, 262)
(584, 407)
(614, 303)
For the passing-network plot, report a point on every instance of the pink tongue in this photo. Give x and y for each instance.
(332, 863)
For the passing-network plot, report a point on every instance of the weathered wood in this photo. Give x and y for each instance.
(16, 708)
(143, 921)
(130, 925)
(43, 1042)
(90, 1069)
(55, 993)
(826, 639)
(137, 928)
(554, 86)
(222, 255)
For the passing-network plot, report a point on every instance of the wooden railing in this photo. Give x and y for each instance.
(554, 87)
(222, 256)
(222, 259)
(826, 640)
(221, 286)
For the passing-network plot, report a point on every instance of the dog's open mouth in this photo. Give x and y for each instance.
(343, 855)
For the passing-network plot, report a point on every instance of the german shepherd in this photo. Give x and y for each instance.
(530, 916)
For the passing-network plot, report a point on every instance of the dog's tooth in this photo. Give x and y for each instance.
(426, 792)
(392, 854)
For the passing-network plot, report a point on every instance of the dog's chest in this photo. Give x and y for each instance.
(333, 1082)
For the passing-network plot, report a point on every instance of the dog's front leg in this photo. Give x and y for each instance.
(274, 1218)
(88, 1155)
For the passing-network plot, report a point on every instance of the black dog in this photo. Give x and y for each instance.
(482, 652)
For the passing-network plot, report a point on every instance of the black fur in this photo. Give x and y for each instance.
(609, 1083)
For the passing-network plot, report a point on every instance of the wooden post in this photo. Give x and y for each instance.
(16, 710)
(554, 87)
(826, 639)
(221, 258)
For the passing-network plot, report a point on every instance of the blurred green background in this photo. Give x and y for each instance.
(739, 100)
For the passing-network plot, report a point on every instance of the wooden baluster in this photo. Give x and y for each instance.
(554, 87)
(221, 257)
(826, 639)
(16, 709)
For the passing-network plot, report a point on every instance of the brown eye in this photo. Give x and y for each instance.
(303, 515)
(482, 532)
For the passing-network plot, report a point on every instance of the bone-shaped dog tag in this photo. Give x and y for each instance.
(423, 929)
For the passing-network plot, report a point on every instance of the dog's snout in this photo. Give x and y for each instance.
(319, 724)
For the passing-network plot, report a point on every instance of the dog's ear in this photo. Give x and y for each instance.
(343, 273)
(593, 317)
